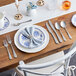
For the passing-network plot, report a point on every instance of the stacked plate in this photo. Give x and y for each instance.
(31, 39)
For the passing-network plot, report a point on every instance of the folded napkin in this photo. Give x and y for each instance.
(31, 37)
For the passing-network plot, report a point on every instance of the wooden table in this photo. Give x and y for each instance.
(51, 48)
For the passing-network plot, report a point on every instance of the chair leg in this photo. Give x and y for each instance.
(25, 74)
(66, 67)
(65, 72)
(13, 74)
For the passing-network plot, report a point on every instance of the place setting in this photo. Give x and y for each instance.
(29, 39)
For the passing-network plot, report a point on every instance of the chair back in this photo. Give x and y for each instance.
(66, 58)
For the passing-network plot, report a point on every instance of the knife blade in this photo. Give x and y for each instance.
(48, 27)
(50, 23)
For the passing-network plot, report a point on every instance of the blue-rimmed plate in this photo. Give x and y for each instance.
(6, 24)
(31, 37)
(31, 50)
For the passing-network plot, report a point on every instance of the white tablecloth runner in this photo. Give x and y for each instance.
(42, 14)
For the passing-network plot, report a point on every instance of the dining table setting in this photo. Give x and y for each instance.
(35, 33)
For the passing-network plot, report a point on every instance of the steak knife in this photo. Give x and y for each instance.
(60, 40)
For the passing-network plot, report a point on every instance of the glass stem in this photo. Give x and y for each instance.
(17, 6)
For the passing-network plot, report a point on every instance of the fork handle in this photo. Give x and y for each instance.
(14, 53)
(10, 57)
(26, 21)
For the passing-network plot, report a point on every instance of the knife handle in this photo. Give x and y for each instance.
(56, 41)
(60, 40)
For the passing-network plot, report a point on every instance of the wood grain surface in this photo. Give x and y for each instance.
(51, 48)
(6, 2)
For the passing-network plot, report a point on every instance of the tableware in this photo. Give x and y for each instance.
(6, 24)
(54, 31)
(31, 37)
(6, 45)
(10, 42)
(63, 25)
(57, 26)
(1, 20)
(73, 20)
(22, 22)
(56, 41)
(33, 50)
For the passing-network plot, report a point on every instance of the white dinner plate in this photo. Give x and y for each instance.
(33, 50)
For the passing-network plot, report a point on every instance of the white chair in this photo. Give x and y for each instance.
(53, 65)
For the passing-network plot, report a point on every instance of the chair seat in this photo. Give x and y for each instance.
(48, 69)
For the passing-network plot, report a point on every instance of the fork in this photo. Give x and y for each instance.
(6, 45)
(10, 42)
(22, 22)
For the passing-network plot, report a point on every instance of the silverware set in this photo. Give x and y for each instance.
(5, 43)
(58, 27)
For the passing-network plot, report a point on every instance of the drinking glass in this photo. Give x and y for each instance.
(51, 4)
(64, 4)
